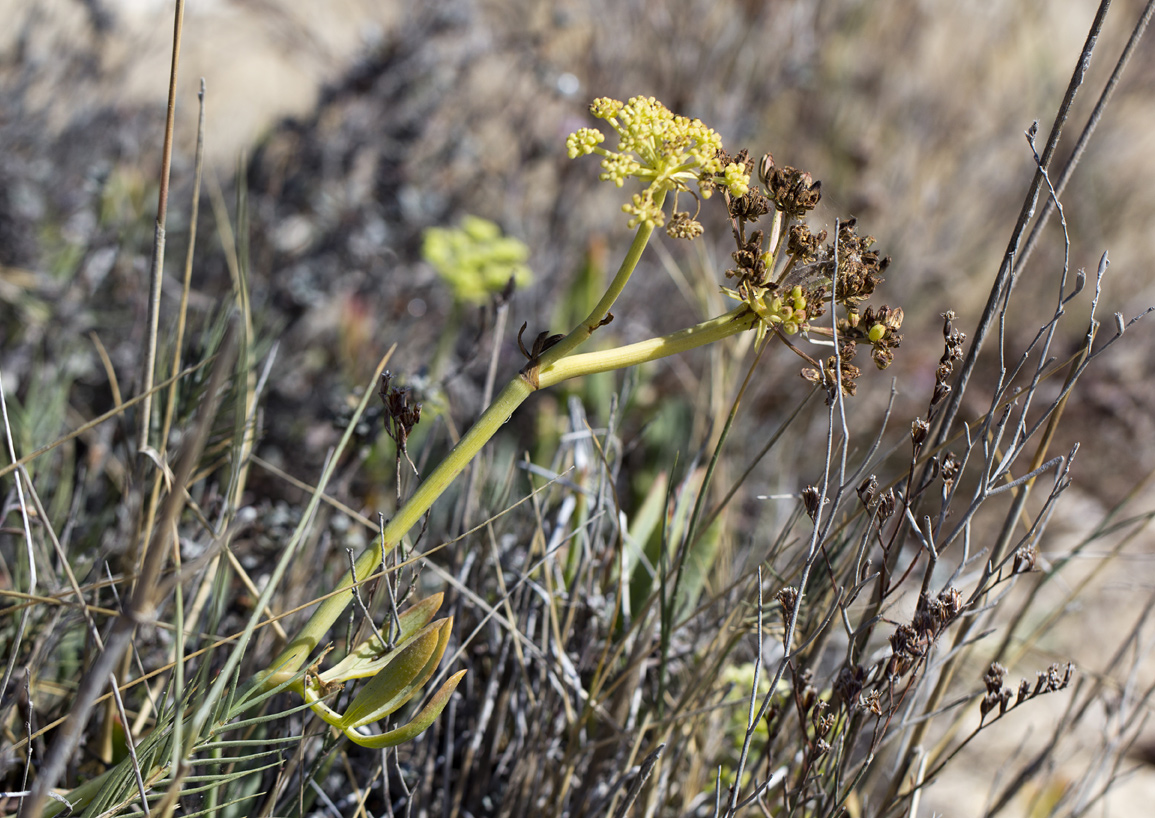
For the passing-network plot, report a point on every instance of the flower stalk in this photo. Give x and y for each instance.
(512, 396)
(781, 289)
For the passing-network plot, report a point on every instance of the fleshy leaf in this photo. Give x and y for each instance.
(410, 667)
(370, 657)
(414, 728)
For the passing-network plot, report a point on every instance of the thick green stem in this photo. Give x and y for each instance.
(550, 370)
(732, 323)
(294, 655)
(598, 314)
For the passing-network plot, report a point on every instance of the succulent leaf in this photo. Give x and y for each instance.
(410, 667)
(370, 656)
(414, 728)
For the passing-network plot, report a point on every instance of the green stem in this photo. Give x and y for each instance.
(518, 389)
(309, 637)
(594, 320)
(732, 323)
(515, 392)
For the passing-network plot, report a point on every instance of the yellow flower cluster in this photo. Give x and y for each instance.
(666, 151)
(475, 259)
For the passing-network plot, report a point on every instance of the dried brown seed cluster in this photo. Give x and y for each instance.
(683, 226)
(402, 413)
(951, 466)
(910, 643)
(868, 491)
(953, 351)
(750, 263)
(837, 369)
(1025, 558)
(788, 599)
(803, 245)
(859, 268)
(883, 504)
(933, 615)
(919, 429)
(849, 684)
(793, 191)
(878, 329)
(788, 274)
(812, 501)
(997, 696)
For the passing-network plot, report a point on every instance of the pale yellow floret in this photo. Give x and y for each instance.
(583, 141)
(737, 180)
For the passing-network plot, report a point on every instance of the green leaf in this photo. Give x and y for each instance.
(414, 728)
(409, 668)
(370, 656)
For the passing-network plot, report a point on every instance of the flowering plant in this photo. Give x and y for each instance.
(783, 281)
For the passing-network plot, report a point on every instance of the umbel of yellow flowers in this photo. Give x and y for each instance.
(662, 149)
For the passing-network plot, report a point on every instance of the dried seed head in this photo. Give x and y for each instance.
(1024, 692)
(683, 226)
(823, 724)
(951, 601)
(750, 207)
(924, 621)
(812, 500)
(1025, 558)
(402, 413)
(788, 599)
(986, 705)
(750, 264)
(1056, 678)
(848, 686)
(950, 469)
(804, 245)
(907, 642)
(887, 504)
(919, 429)
(953, 338)
(793, 191)
(994, 677)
